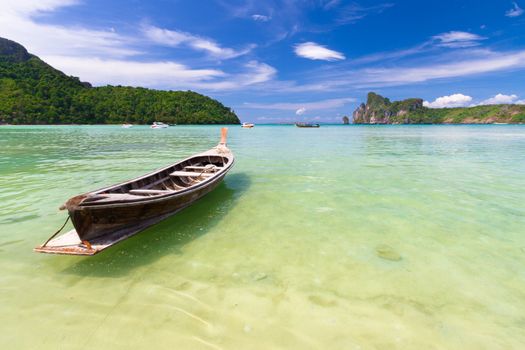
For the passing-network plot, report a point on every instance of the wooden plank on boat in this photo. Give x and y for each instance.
(189, 174)
(210, 168)
(140, 191)
(70, 244)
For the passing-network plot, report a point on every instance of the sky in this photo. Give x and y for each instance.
(283, 60)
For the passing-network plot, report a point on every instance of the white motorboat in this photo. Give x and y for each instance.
(159, 125)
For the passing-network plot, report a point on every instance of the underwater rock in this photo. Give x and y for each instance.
(183, 286)
(387, 252)
(322, 301)
(259, 276)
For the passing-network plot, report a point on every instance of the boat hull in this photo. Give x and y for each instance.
(92, 222)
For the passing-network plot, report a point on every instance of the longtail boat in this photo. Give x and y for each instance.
(306, 125)
(109, 215)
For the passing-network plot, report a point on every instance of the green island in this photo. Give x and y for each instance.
(33, 92)
(380, 110)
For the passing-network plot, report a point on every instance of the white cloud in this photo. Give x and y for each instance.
(455, 100)
(300, 111)
(261, 18)
(516, 11)
(300, 108)
(500, 99)
(17, 23)
(456, 39)
(175, 38)
(460, 100)
(315, 51)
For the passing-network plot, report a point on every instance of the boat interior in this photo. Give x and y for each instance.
(175, 178)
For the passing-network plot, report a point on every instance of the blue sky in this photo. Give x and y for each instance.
(274, 61)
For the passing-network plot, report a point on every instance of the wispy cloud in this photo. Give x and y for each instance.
(455, 100)
(174, 38)
(292, 17)
(329, 4)
(456, 39)
(491, 62)
(353, 12)
(166, 74)
(391, 55)
(453, 39)
(261, 18)
(315, 51)
(515, 11)
(303, 106)
(458, 64)
(134, 73)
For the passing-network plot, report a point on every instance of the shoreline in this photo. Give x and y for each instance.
(282, 124)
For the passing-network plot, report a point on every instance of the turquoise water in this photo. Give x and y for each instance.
(356, 237)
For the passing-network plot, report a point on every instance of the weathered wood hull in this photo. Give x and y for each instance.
(93, 222)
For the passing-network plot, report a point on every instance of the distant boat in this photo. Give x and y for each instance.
(248, 125)
(104, 217)
(127, 125)
(306, 125)
(159, 125)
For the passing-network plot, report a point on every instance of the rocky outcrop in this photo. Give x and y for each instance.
(12, 51)
(379, 110)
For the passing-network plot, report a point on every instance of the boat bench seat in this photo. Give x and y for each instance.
(210, 168)
(189, 174)
(139, 191)
(110, 197)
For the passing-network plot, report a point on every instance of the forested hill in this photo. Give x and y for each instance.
(33, 92)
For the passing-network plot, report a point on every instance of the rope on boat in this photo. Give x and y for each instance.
(204, 171)
(56, 233)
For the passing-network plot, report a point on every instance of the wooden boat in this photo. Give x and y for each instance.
(306, 125)
(109, 215)
(248, 125)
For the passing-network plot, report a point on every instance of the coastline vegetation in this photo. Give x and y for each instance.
(380, 110)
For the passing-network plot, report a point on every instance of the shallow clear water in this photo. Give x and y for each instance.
(394, 237)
